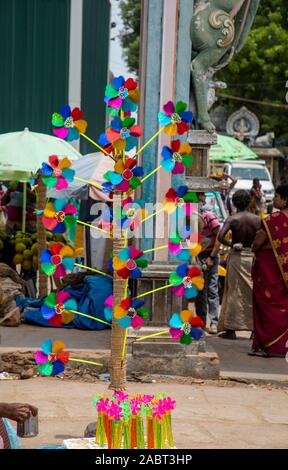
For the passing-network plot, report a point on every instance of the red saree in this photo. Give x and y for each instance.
(270, 289)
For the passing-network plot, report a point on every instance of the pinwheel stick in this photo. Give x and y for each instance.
(149, 141)
(156, 249)
(89, 316)
(150, 174)
(152, 215)
(85, 362)
(154, 290)
(97, 145)
(150, 336)
(93, 226)
(89, 182)
(93, 269)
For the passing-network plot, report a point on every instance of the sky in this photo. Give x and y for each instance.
(116, 63)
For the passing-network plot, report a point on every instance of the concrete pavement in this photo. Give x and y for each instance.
(206, 416)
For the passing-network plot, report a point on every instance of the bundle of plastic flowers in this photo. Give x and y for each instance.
(134, 422)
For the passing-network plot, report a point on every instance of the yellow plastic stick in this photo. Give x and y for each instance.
(151, 336)
(149, 141)
(89, 316)
(156, 249)
(97, 145)
(150, 174)
(154, 290)
(92, 226)
(88, 182)
(124, 344)
(85, 362)
(152, 215)
(92, 269)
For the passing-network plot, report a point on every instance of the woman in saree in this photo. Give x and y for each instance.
(270, 281)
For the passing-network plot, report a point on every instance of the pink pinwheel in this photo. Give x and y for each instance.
(56, 308)
(175, 119)
(103, 405)
(52, 358)
(59, 216)
(187, 281)
(121, 94)
(135, 406)
(57, 260)
(115, 411)
(68, 124)
(120, 396)
(58, 173)
(176, 158)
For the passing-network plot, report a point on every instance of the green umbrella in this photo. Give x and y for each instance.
(22, 153)
(228, 148)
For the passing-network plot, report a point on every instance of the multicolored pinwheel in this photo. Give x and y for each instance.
(175, 119)
(58, 174)
(185, 326)
(123, 135)
(126, 176)
(123, 95)
(56, 308)
(52, 358)
(68, 124)
(187, 281)
(108, 308)
(57, 260)
(177, 157)
(185, 244)
(106, 219)
(59, 216)
(131, 313)
(131, 214)
(128, 262)
(179, 199)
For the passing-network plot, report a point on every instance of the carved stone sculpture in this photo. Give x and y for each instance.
(218, 30)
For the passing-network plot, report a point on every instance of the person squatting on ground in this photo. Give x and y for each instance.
(236, 309)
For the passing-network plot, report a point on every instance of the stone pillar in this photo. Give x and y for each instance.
(201, 142)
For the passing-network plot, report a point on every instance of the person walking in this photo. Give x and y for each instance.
(270, 280)
(209, 258)
(236, 308)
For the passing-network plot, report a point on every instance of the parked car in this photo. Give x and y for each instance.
(246, 171)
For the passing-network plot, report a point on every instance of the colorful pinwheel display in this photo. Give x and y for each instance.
(68, 124)
(123, 135)
(58, 173)
(131, 214)
(59, 216)
(185, 326)
(121, 95)
(187, 281)
(175, 119)
(179, 199)
(51, 358)
(177, 157)
(130, 313)
(56, 308)
(185, 244)
(57, 260)
(122, 419)
(126, 176)
(106, 219)
(128, 262)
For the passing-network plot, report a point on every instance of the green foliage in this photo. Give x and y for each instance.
(130, 36)
(260, 70)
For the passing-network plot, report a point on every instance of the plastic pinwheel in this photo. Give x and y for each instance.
(185, 326)
(187, 281)
(123, 135)
(57, 260)
(177, 157)
(67, 124)
(131, 214)
(52, 358)
(56, 308)
(58, 173)
(185, 244)
(126, 176)
(175, 119)
(128, 262)
(59, 216)
(131, 313)
(108, 308)
(179, 199)
(121, 94)
(106, 219)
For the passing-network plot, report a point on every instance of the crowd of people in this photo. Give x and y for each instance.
(256, 287)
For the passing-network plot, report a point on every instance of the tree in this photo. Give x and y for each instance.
(260, 71)
(130, 36)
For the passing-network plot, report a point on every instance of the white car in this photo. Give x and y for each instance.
(246, 171)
